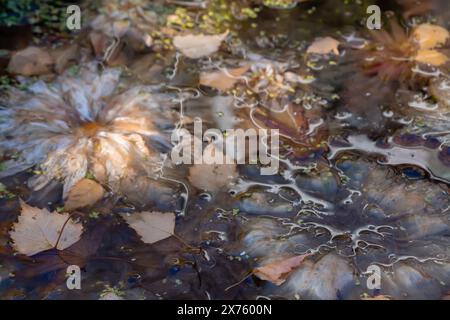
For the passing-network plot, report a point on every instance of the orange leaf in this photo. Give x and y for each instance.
(277, 271)
(432, 57)
(429, 36)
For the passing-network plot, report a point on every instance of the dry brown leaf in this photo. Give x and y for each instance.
(151, 226)
(432, 57)
(223, 79)
(277, 271)
(325, 45)
(429, 36)
(198, 46)
(38, 230)
(84, 193)
(32, 61)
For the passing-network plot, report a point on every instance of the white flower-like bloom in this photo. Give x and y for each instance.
(77, 125)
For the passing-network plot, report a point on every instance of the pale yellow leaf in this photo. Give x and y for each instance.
(432, 57)
(223, 79)
(429, 36)
(198, 46)
(151, 226)
(325, 45)
(277, 271)
(84, 193)
(38, 230)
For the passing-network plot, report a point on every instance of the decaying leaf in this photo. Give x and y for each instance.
(38, 230)
(223, 79)
(277, 271)
(432, 57)
(198, 46)
(151, 226)
(32, 61)
(325, 45)
(84, 193)
(429, 36)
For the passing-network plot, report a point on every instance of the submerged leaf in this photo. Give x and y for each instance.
(85, 193)
(32, 61)
(38, 230)
(325, 45)
(212, 177)
(277, 271)
(223, 79)
(151, 226)
(198, 46)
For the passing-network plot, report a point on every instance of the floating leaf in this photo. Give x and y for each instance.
(277, 271)
(198, 46)
(32, 61)
(38, 230)
(325, 45)
(151, 226)
(223, 79)
(429, 36)
(84, 193)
